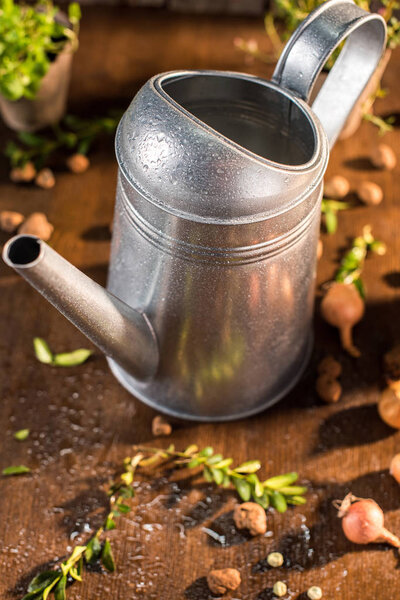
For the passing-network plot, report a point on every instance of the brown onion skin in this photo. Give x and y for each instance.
(343, 307)
(395, 467)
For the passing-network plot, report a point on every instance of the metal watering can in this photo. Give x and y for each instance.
(209, 303)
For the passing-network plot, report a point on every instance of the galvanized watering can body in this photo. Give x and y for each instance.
(217, 221)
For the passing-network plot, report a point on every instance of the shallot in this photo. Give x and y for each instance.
(389, 407)
(395, 467)
(343, 307)
(363, 521)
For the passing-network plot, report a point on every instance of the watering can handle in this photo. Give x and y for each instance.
(313, 42)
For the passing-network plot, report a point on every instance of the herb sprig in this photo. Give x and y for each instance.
(329, 209)
(74, 134)
(276, 491)
(353, 261)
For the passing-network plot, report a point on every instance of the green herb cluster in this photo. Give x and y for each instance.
(64, 359)
(353, 261)
(74, 134)
(276, 491)
(30, 38)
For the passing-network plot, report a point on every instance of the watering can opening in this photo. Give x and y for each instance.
(253, 113)
(22, 251)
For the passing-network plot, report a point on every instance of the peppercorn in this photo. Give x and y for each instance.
(280, 589)
(314, 593)
(275, 559)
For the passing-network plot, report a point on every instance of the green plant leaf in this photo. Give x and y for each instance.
(207, 451)
(59, 591)
(72, 359)
(123, 508)
(207, 474)
(30, 139)
(250, 466)
(48, 589)
(110, 523)
(293, 490)
(41, 581)
(93, 550)
(74, 13)
(278, 501)
(42, 351)
(218, 475)
(21, 434)
(16, 470)
(193, 463)
(107, 557)
(243, 488)
(281, 480)
(262, 500)
(296, 500)
(331, 221)
(213, 460)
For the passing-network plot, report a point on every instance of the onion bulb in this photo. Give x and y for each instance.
(389, 407)
(395, 467)
(343, 307)
(363, 522)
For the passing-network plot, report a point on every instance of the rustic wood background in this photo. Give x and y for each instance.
(83, 423)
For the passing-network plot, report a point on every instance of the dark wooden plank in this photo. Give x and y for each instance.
(83, 423)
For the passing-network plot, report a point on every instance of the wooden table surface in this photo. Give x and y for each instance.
(83, 423)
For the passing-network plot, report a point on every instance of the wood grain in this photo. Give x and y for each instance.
(83, 423)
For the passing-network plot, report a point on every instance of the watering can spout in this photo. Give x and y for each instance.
(122, 333)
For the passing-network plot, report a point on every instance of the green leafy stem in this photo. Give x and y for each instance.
(74, 134)
(329, 209)
(353, 261)
(276, 491)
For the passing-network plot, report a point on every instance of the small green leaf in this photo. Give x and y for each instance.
(126, 491)
(107, 557)
(41, 581)
(331, 221)
(74, 12)
(296, 500)
(207, 474)
(218, 475)
(30, 139)
(59, 592)
(72, 359)
(243, 488)
(42, 351)
(293, 490)
(93, 550)
(207, 451)
(48, 589)
(251, 466)
(275, 483)
(226, 481)
(123, 508)
(278, 501)
(262, 500)
(193, 463)
(110, 523)
(213, 460)
(223, 464)
(21, 435)
(16, 470)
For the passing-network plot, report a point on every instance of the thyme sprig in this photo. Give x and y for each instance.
(353, 261)
(278, 491)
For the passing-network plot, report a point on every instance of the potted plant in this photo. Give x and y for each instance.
(36, 47)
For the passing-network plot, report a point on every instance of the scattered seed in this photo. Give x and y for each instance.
(45, 179)
(275, 559)
(78, 163)
(337, 187)
(251, 516)
(23, 174)
(280, 589)
(37, 224)
(328, 388)
(10, 220)
(330, 366)
(383, 157)
(160, 427)
(370, 193)
(314, 592)
(221, 580)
